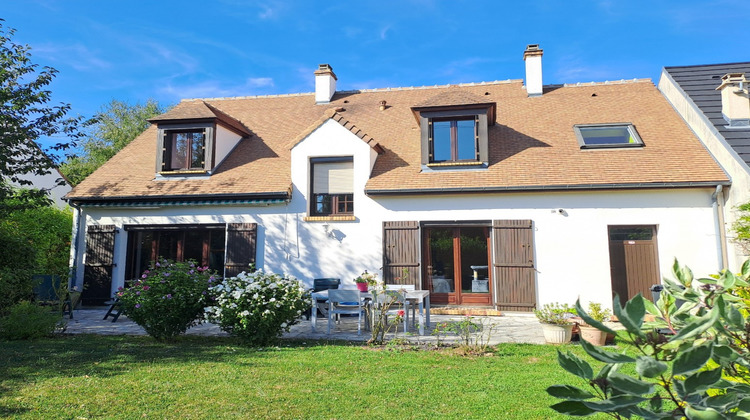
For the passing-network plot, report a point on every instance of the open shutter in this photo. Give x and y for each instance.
(97, 272)
(241, 240)
(513, 263)
(401, 253)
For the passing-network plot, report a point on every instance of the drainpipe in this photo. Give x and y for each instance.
(718, 204)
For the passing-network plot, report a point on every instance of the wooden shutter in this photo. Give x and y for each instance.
(400, 253)
(97, 272)
(513, 264)
(241, 248)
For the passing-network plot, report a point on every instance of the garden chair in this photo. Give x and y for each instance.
(319, 285)
(345, 302)
(48, 291)
(413, 303)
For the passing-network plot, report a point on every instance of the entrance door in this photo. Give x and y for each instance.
(457, 269)
(633, 259)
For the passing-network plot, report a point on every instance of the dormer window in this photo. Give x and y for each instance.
(454, 139)
(454, 130)
(598, 136)
(185, 150)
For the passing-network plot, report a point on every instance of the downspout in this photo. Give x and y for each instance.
(718, 205)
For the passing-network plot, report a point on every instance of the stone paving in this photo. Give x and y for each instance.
(509, 328)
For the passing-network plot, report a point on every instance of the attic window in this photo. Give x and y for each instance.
(597, 136)
(184, 150)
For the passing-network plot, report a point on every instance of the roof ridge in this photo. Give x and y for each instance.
(604, 83)
(708, 65)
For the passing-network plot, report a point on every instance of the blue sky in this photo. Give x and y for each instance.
(167, 50)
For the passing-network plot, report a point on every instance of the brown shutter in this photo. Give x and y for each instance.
(97, 272)
(513, 262)
(241, 239)
(401, 252)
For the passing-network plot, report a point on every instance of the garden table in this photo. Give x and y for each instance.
(421, 296)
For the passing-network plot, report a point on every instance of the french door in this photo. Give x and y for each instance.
(457, 264)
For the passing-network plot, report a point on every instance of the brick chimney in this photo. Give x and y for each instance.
(533, 58)
(735, 101)
(325, 84)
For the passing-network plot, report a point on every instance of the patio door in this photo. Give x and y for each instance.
(633, 259)
(457, 264)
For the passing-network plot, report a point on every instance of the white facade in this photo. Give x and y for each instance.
(571, 246)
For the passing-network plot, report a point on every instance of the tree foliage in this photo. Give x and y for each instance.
(741, 226)
(693, 361)
(113, 128)
(26, 116)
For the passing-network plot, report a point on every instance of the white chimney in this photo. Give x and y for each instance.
(325, 84)
(533, 58)
(735, 101)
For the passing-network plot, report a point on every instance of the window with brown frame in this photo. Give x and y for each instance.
(332, 186)
(454, 139)
(184, 150)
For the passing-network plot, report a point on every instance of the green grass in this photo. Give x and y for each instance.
(200, 377)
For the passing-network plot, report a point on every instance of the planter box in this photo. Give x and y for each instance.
(593, 336)
(557, 334)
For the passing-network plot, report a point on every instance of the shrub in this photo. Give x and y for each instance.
(555, 313)
(27, 321)
(258, 307)
(692, 362)
(168, 299)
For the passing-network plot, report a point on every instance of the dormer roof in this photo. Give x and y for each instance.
(200, 111)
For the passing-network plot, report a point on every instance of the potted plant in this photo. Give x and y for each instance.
(556, 326)
(592, 334)
(364, 280)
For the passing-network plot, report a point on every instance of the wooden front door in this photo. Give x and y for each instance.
(457, 265)
(634, 262)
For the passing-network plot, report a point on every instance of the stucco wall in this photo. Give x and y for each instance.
(572, 248)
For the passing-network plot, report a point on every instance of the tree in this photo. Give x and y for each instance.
(113, 128)
(26, 116)
(693, 361)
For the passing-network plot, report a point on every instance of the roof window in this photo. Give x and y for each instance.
(598, 136)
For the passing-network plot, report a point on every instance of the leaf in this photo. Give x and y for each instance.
(630, 385)
(746, 269)
(649, 367)
(633, 326)
(732, 314)
(569, 392)
(690, 360)
(727, 279)
(697, 326)
(615, 403)
(703, 414)
(683, 274)
(605, 356)
(651, 308)
(701, 381)
(724, 355)
(575, 365)
(744, 404)
(591, 321)
(572, 408)
(722, 402)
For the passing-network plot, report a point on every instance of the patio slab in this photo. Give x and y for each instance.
(509, 328)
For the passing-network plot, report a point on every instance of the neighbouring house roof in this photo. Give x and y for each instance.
(532, 144)
(699, 84)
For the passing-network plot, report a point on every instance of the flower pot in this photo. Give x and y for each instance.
(557, 334)
(593, 336)
(362, 287)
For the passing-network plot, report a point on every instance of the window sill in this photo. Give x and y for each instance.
(450, 164)
(185, 172)
(342, 218)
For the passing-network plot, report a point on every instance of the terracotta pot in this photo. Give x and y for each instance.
(593, 336)
(362, 287)
(557, 334)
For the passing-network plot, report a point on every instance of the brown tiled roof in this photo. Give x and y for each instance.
(531, 145)
(452, 97)
(200, 110)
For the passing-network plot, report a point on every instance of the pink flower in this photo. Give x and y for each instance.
(146, 287)
(401, 313)
(137, 305)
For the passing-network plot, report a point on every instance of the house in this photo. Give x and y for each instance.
(503, 194)
(713, 100)
(51, 180)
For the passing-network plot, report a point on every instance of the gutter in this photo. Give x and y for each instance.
(279, 196)
(530, 188)
(718, 205)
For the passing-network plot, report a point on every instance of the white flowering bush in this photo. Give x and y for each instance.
(258, 307)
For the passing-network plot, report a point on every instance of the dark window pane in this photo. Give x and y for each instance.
(441, 260)
(168, 242)
(196, 161)
(322, 204)
(441, 141)
(466, 140)
(179, 151)
(474, 266)
(193, 246)
(607, 135)
(631, 233)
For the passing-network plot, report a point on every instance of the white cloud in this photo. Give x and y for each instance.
(260, 82)
(77, 56)
(384, 31)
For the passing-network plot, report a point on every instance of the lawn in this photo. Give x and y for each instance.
(200, 377)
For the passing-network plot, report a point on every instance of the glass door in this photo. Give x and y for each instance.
(458, 265)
